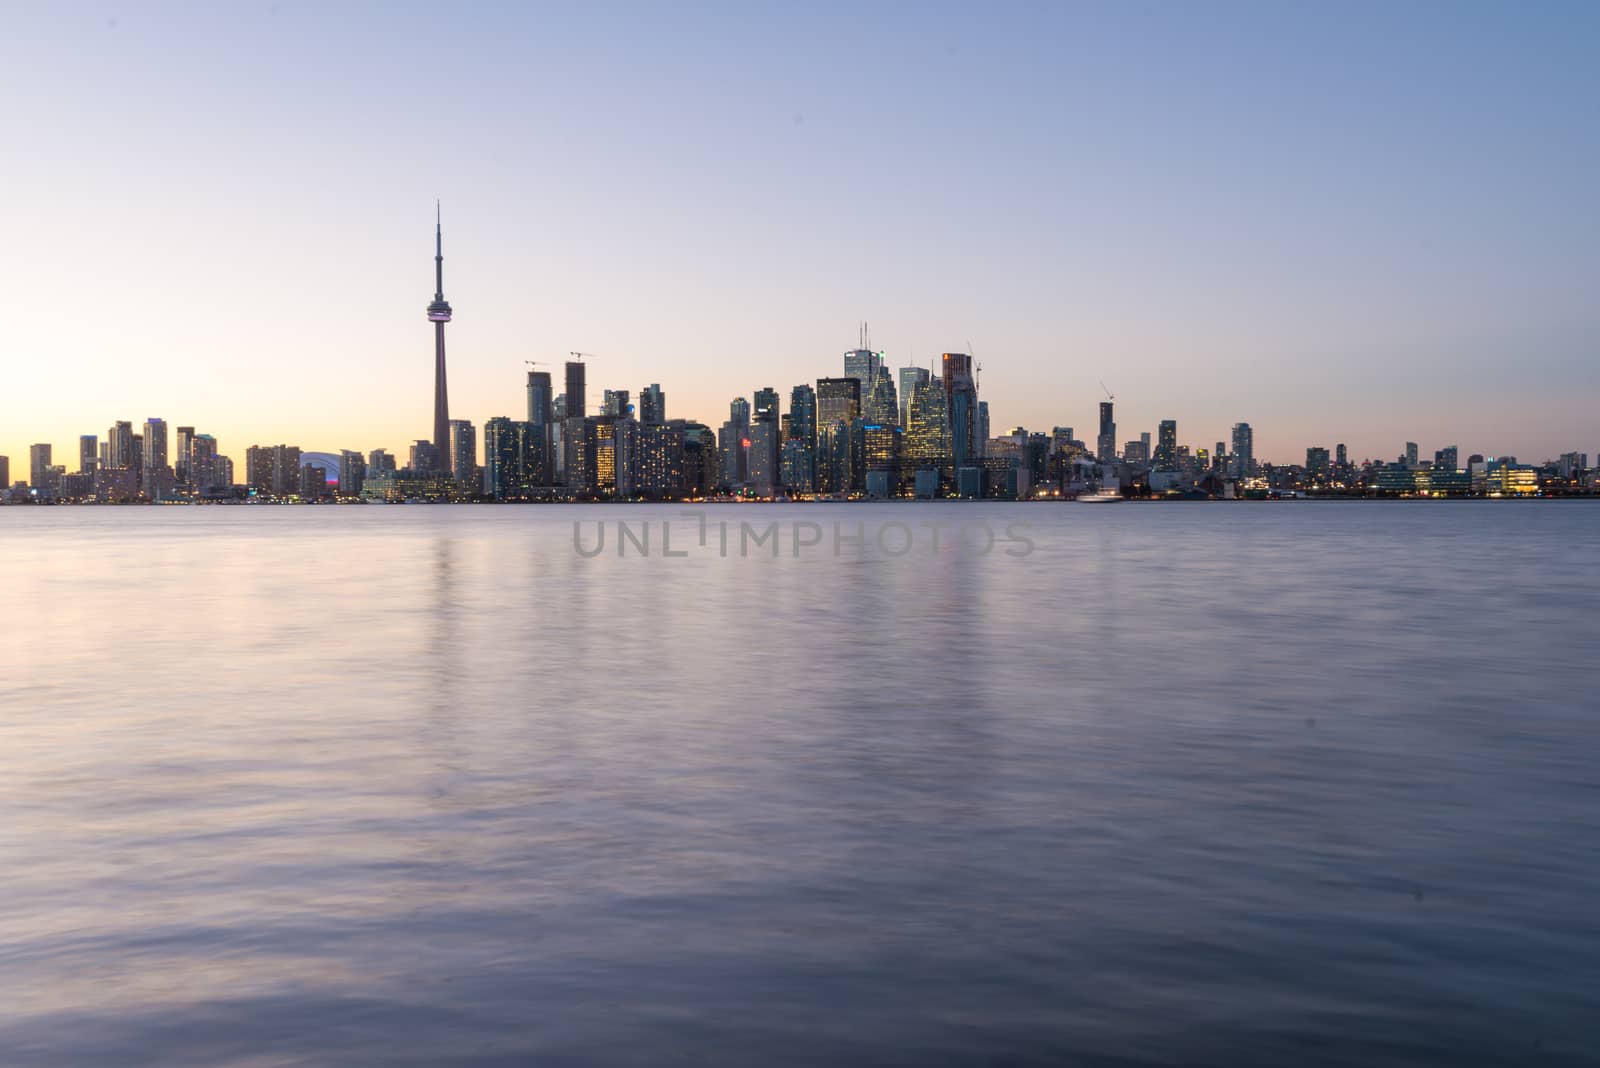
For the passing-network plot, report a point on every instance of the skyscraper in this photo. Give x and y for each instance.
(1411, 454)
(1166, 453)
(39, 466)
(1447, 458)
(539, 410)
(863, 365)
(739, 412)
(1244, 459)
(838, 401)
(910, 379)
(652, 405)
(882, 407)
(803, 415)
(1105, 445)
(180, 462)
(88, 453)
(961, 405)
(438, 315)
(463, 450)
(576, 408)
(155, 444)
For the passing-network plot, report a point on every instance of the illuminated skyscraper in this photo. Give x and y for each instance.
(1166, 454)
(838, 401)
(863, 365)
(927, 429)
(910, 379)
(803, 415)
(463, 450)
(652, 405)
(961, 405)
(882, 407)
(438, 315)
(88, 453)
(1243, 456)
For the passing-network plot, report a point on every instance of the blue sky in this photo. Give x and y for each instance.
(1367, 223)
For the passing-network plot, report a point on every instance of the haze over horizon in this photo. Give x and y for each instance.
(1364, 224)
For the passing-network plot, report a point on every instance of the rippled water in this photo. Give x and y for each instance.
(1278, 784)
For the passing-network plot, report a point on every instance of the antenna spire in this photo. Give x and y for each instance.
(438, 252)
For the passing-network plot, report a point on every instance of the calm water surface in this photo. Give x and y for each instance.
(1188, 784)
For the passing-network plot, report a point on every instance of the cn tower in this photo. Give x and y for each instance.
(438, 315)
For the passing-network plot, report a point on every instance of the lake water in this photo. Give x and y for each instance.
(1228, 784)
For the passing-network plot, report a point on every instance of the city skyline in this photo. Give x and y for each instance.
(1388, 247)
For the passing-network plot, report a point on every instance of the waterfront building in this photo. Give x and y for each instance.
(803, 415)
(1243, 454)
(1165, 457)
(463, 450)
(1105, 447)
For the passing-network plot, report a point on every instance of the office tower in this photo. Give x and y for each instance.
(983, 428)
(739, 412)
(1446, 459)
(910, 379)
(5, 473)
(352, 472)
(1144, 445)
(864, 366)
(766, 406)
(1166, 454)
(155, 444)
(617, 404)
(961, 405)
(1106, 444)
(88, 453)
(803, 415)
(838, 401)
(927, 437)
(652, 405)
(1410, 458)
(576, 408)
(424, 458)
(180, 462)
(832, 467)
(105, 455)
(539, 408)
(39, 467)
(1243, 450)
(380, 462)
(463, 450)
(1134, 452)
(1341, 455)
(1317, 463)
(882, 407)
(438, 315)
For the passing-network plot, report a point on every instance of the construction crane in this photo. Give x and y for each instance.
(581, 355)
(535, 363)
(1110, 396)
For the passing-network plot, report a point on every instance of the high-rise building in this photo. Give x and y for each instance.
(539, 411)
(761, 462)
(576, 407)
(1244, 458)
(927, 424)
(662, 474)
(438, 314)
(910, 379)
(652, 405)
(803, 415)
(424, 458)
(205, 472)
(1341, 455)
(617, 404)
(1447, 458)
(509, 457)
(739, 412)
(88, 454)
(123, 455)
(155, 444)
(838, 401)
(863, 365)
(1106, 444)
(983, 427)
(5, 473)
(463, 450)
(1317, 463)
(380, 462)
(766, 405)
(180, 463)
(882, 406)
(1166, 452)
(961, 405)
(1411, 454)
(39, 467)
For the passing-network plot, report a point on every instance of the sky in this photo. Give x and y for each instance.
(1353, 222)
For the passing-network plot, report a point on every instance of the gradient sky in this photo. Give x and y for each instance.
(1344, 222)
